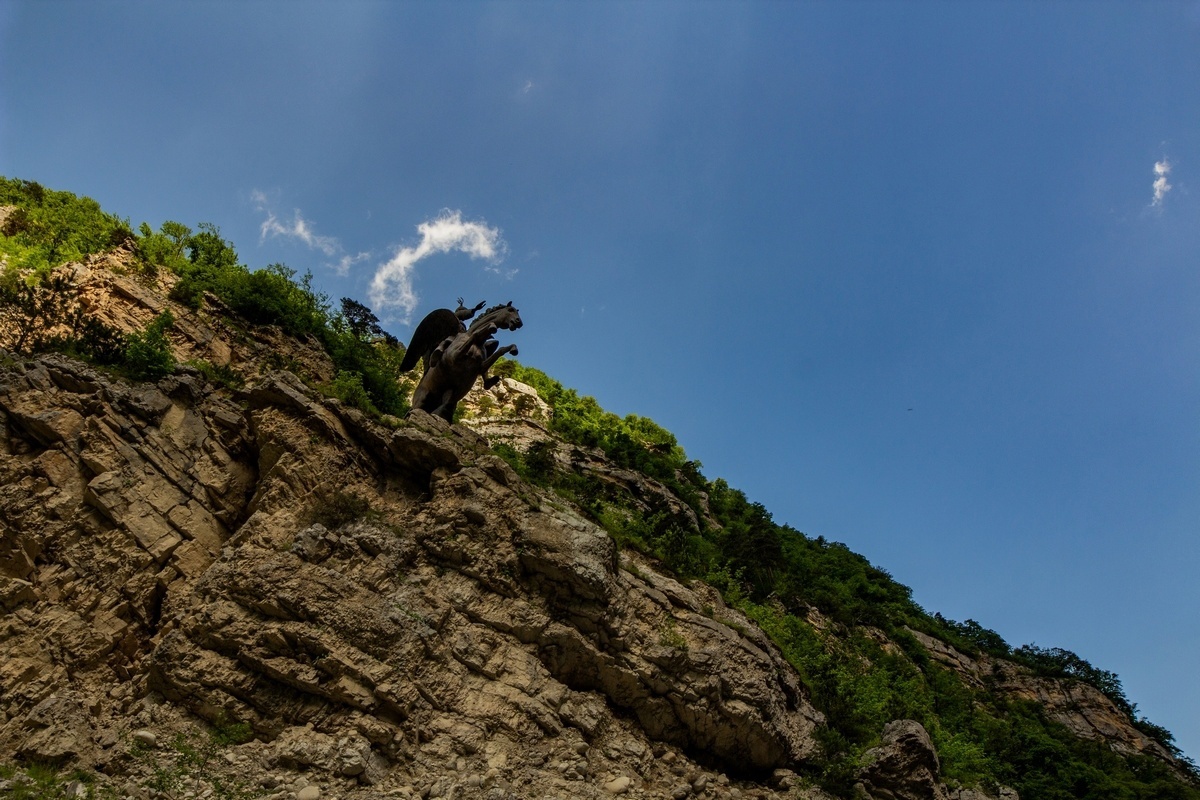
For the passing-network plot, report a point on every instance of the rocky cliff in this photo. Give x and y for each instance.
(261, 591)
(384, 605)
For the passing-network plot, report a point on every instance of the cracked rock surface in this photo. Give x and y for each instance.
(375, 603)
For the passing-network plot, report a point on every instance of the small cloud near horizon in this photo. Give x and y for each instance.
(1161, 170)
(392, 286)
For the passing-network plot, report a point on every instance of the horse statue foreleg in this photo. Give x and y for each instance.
(494, 354)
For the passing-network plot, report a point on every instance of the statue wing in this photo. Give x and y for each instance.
(436, 326)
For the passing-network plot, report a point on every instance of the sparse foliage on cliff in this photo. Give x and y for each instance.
(41, 312)
(31, 306)
(165, 247)
(367, 357)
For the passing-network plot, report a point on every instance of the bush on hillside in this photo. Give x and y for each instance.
(148, 352)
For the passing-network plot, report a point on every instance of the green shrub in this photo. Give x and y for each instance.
(348, 388)
(148, 353)
(357, 344)
(512, 456)
(540, 464)
(32, 305)
(164, 248)
(21, 257)
(271, 296)
(211, 266)
(222, 375)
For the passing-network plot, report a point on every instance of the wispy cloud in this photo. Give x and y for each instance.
(1161, 170)
(392, 286)
(342, 267)
(298, 228)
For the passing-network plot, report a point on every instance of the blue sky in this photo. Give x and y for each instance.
(919, 277)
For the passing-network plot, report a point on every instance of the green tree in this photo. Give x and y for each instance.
(165, 248)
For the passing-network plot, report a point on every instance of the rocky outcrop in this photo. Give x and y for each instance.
(506, 415)
(903, 767)
(512, 612)
(108, 495)
(373, 601)
(1083, 709)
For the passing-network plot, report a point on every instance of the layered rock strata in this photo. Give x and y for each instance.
(373, 601)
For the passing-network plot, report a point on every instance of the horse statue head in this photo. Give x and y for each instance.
(504, 317)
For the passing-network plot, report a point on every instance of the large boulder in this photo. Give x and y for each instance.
(904, 766)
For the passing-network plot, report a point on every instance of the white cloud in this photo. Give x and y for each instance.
(392, 286)
(342, 267)
(298, 228)
(1161, 170)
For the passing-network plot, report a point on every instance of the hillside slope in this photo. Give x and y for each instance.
(229, 579)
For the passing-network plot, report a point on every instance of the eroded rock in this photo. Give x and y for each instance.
(903, 767)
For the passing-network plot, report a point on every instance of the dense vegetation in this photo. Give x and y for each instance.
(50, 228)
(844, 624)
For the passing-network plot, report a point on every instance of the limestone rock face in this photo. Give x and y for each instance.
(373, 602)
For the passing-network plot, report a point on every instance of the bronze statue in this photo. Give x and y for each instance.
(456, 355)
